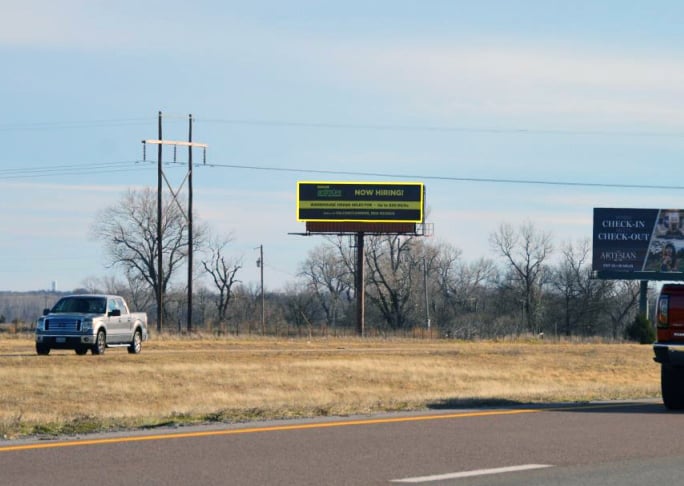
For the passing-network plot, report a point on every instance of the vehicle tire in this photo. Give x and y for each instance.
(81, 350)
(42, 349)
(100, 343)
(136, 344)
(672, 386)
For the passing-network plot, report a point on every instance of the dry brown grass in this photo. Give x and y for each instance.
(230, 379)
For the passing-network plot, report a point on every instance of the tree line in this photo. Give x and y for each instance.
(413, 284)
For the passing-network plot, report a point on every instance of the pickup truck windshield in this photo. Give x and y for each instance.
(83, 305)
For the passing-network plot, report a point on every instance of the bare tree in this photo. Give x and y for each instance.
(139, 294)
(469, 281)
(222, 271)
(525, 250)
(133, 288)
(582, 297)
(622, 305)
(129, 232)
(245, 307)
(346, 252)
(330, 279)
(298, 306)
(393, 272)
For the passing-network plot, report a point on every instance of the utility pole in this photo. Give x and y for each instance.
(260, 264)
(427, 296)
(190, 241)
(160, 248)
(160, 260)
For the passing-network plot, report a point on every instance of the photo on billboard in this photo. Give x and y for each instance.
(666, 248)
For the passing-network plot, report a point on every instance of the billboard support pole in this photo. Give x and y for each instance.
(360, 287)
(643, 298)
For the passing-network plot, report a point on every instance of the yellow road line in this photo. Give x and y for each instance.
(278, 428)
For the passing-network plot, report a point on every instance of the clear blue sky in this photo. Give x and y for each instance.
(432, 91)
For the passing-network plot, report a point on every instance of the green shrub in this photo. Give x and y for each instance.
(641, 331)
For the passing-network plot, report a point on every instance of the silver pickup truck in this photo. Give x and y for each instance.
(90, 322)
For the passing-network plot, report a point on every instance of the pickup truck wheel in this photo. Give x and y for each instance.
(136, 344)
(672, 386)
(81, 350)
(42, 349)
(100, 343)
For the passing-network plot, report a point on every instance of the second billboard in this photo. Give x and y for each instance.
(640, 243)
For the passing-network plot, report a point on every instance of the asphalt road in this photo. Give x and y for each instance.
(616, 443)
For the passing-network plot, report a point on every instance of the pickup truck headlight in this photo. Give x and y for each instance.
(86, 325)
(40, 324)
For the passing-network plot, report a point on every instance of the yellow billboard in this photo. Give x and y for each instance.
(378, 202)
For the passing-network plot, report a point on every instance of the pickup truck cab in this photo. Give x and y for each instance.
(669, 346)
(90, 322)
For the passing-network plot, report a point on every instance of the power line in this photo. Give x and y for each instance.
(78, 169)
(62, 125)
(73, 169)
(123, 166)
(449, 178)
(64, 167)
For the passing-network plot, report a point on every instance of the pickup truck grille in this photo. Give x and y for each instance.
(63, 325)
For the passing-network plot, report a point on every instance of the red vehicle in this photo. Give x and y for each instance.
(669, 347)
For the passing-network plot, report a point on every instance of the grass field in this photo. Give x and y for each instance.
(196, 380)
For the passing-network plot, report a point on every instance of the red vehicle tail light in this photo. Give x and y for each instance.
(662, 311)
